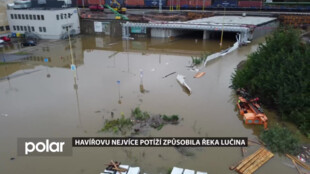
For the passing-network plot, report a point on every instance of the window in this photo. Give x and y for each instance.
(44, 29)
(40, 29)
(12, 16)
(7, 28)
(19, 16)
(34, 17)
(25, 28)
(23, 16)
(1, 28)
(15, 16)
(32, 28)
(38, 16)
(42, 17)
(14, 27)
(62, 16)
(17, 28)
(29, 29)
(26, 16)
(69, 15)
(21, 28)
(30, 17)
(57, 17)
(65, 16)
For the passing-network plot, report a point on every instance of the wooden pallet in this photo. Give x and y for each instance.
(251, 163)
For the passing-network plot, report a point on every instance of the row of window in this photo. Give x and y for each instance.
(37, 58)
(63, 16)
(27, 16)
(7, 28)
(29, 29)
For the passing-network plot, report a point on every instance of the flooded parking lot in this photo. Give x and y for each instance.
(42, 97)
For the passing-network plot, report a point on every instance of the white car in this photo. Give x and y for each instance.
(1, 41)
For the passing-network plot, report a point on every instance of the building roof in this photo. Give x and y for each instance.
(247, 20)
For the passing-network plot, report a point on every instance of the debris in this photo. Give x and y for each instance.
(302, 164)
(169, 74)
(181, 80)
(296, 167)
(199, 74)
(12, 158)
(251, 163)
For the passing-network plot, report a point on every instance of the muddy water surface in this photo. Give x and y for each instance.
(44, 98)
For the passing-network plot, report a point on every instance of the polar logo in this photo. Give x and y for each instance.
(44, 147)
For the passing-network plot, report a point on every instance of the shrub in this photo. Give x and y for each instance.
(279, 74)
(281, 140)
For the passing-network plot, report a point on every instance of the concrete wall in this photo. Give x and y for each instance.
(88, 27)
(166, 33)
(54, 28)
(3, 17)
(265, 29)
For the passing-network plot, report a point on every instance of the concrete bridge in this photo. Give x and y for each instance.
(245, 26)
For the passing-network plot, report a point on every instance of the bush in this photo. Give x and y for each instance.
(279, 74)
(139, 115)
(280, 140)
(200, 59)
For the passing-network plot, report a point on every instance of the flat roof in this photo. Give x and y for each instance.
(247, 20)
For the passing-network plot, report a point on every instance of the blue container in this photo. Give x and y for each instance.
(154, 3)
(225, 3)
(110, 2)
(13, 35)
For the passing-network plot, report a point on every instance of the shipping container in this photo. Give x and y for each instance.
(80, 3)
(199, 3)
(134, 3)
(250, 4)
(154, 3)
(225, 3)
(181, 3)
(96, 2)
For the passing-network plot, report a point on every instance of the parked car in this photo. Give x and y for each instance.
(1, 41)
(5, 39)
(29, 43)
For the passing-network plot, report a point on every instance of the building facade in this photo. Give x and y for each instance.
(4, 24)
(45, 23)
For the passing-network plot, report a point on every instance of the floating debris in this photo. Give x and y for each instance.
(169, 74)
(251, 163)
(181, 80)
(199, 74)
(139, 121)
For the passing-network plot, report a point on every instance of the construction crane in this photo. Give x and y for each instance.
(118, 15)
(118, 7)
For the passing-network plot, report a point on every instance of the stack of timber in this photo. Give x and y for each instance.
(251, 163)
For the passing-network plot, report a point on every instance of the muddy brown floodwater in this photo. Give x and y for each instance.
(42, 98)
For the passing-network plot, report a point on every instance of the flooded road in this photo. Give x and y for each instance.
(42, 97)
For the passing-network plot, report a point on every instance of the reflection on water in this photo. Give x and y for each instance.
(112, 78)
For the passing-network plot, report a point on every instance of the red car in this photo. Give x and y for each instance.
(5, 39)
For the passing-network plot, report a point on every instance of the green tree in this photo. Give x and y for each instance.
(279, 73)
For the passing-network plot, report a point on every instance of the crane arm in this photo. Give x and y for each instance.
(117, 13)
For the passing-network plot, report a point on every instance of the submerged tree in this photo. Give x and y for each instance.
(279, 73)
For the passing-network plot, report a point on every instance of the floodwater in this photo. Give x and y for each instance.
(44, 98)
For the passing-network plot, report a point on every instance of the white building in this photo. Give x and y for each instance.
(47, 24)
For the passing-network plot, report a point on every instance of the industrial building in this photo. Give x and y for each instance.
(4, 25)
(47, 21)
